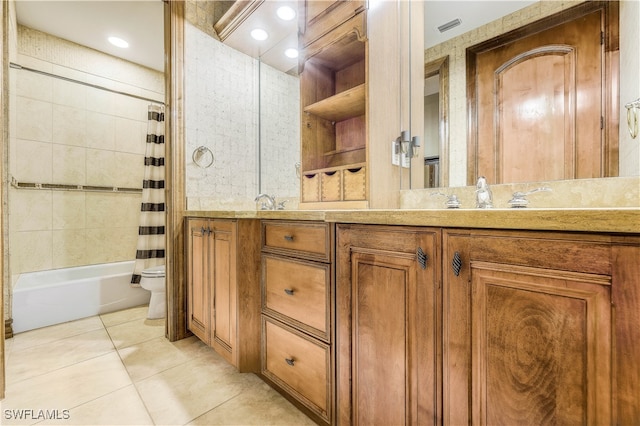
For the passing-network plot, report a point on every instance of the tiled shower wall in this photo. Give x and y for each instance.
(456, 49)
(63, 132)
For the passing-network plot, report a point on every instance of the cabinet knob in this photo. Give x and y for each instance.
(289, 291)
(422, 258)
(290, 361)
(456, 263)
(288, 237)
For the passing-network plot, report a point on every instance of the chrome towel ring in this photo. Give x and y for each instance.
(203, 157)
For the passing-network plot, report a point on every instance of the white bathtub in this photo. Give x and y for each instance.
(59, 295)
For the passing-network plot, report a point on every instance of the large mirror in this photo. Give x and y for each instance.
(265, 151)
(242, 103)
(453, 28)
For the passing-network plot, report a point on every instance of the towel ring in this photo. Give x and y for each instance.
(203, 157)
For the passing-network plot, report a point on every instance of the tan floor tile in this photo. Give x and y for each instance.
(151, 357)
(122, 407)
(52, 333)
(68, 387)
(40, 359)
(126, 315)
(136, 331)
(258, 405)
(183, 393)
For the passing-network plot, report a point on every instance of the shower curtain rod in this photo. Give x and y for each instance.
(20, 67)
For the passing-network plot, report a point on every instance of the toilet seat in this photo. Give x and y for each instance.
(154, 272)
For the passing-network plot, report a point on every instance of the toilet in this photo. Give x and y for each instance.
(153, 279)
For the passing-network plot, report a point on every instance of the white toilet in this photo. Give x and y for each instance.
(153, 279)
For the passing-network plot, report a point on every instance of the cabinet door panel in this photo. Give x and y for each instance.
(197, 285)
(380, 341)
(223, 258)
(539, 351)
(388, 326)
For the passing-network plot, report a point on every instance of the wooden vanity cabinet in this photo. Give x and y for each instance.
(297, 313)
(388, 325)
(501, 327)
(223, 296)
(536, 328)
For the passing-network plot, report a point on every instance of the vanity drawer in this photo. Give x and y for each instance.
(297, 292)
(298, 364)
(309, 240)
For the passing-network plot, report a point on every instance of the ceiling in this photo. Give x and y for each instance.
(90, 22)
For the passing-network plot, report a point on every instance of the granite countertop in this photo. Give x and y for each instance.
(616, 220)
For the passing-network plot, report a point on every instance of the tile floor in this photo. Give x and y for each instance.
(118, 369)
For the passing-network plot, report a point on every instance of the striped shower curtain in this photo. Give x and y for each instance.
(151, 243)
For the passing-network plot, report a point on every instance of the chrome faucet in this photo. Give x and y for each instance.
(484, 198)
(269, 202)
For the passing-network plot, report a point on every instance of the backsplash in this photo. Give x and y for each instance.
(564, 194)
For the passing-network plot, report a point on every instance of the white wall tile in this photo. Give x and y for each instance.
(68, 165)
(33, 119)
(32, 161)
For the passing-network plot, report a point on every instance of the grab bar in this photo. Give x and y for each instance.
(63, 187)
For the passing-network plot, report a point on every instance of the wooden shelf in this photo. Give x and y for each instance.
(344, 105)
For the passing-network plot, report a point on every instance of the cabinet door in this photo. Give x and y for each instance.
(388, 321)
(527, 329)
(198, 307)
(223, 275)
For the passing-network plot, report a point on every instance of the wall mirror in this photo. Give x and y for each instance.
(242, 101)
(455, 166)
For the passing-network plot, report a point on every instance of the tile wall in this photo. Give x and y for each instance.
(67, 133)
(456, 49)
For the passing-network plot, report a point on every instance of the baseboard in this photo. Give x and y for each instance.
(8, 329)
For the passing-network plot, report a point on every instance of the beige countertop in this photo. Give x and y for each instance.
(617, 220)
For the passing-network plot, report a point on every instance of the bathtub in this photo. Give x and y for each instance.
(52, 297)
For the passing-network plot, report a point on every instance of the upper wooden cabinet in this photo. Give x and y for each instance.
(356, 98)
(316, 18)
(223, 293)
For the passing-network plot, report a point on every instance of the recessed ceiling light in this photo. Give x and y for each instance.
(291, 53)
(259, 34)
(116, 41)
(286, 13)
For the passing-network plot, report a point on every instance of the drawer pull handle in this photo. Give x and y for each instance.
(290, 361)
(289, 291)
(288, 237)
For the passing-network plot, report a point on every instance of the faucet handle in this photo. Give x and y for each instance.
(281, 204)
(519, 199)
(452, 200)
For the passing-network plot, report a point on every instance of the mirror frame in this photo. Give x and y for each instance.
(440, 67)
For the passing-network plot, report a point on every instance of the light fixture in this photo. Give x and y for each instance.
(286, 13)
(446, 27)
(259, 34)
(117, 41)
(291, 53)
